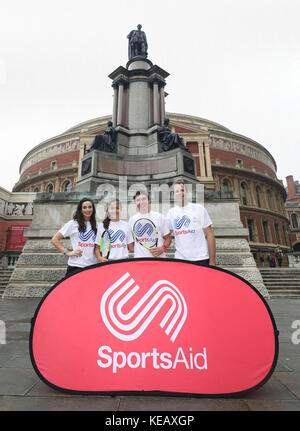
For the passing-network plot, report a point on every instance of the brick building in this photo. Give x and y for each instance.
(225, 162)
(292, 206)
(16, 211)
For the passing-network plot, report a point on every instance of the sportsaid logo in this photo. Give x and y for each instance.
(131, 325)
(183, 221)
(86, 236)
(120, 236)
(140, 229)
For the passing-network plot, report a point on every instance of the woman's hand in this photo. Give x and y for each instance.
(76, 253)
(102, 259)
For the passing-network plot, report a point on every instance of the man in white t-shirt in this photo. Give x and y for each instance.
(164, 238)
(192, 227)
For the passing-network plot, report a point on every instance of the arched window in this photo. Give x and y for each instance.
(67, 185)
(50, 188)
(296, 247)
(36, 190)
(244, 193)
(270, 200)
(250, 223)
(226, 186)
(258, 193)
(266, 230)
(294, 218)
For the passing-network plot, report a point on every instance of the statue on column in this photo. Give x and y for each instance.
(106, 142)
(168, 140)
(137, 43)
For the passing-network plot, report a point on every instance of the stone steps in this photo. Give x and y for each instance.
(282, 282)
(5, 275)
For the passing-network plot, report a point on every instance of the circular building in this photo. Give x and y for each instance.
(225, 161)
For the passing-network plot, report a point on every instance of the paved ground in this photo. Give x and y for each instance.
(22, 390)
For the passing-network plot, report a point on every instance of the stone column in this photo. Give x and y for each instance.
(151, 121)
(120, 103)
(162, 105)
(115, 105)
(201, 160)
(126, 108)
(156, 116)
(207, 158)
(138, 104)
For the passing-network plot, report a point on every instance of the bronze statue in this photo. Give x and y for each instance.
(106, 142)
(137, 43)
(168, 140)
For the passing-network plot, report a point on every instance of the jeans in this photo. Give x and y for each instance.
(202, 262)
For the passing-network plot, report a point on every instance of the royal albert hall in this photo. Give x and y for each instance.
(226, 162)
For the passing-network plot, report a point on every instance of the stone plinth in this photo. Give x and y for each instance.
(108, 168)
(232, 248)
(294, 259)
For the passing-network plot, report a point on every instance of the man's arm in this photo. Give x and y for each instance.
(211, 244)
(157, 251)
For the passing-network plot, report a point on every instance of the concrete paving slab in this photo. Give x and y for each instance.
(40, 389)
(13, 347)
(291, 382)
(275, 405)
(15, 381)
(17, 361)
(180, 404)
(282, 366)
(12, 403)
(292, 361)
(272, 390)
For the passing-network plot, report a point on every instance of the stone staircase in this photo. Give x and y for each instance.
(282, 282)
(38, 268)
(5, 275)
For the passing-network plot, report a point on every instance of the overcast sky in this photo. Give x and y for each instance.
(235, 62)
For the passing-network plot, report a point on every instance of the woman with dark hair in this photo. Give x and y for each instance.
(82, 231)
(120, 233)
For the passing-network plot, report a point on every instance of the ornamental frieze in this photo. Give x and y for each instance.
(50, 151)
(243, 149)
(16, 209)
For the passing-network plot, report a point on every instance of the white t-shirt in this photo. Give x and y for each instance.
(188, 222)
(121, 235)
(163, 229)
(84, 241)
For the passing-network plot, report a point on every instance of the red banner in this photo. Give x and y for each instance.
(149, 325)
(16, 239)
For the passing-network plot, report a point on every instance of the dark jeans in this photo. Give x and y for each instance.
(202, 262)
(71, 269)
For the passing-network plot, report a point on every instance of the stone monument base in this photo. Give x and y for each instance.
(99, 167)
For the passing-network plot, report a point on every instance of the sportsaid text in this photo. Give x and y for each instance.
(153, 359)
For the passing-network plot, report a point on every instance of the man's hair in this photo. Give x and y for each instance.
(178, 182)
(138, 193)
